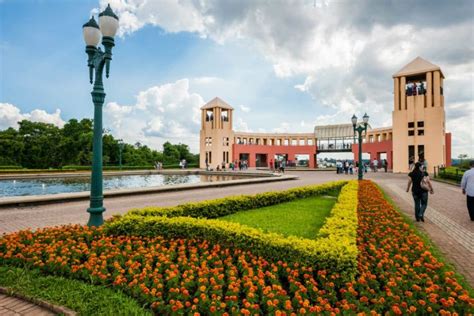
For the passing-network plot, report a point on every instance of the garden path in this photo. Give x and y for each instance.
(12, 306)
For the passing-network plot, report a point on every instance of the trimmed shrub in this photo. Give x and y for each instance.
(229, 205)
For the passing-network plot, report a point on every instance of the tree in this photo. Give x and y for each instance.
(40, 145)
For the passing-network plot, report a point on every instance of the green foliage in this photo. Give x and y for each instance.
(85, 299)
(451, 173)
(229, 205)
(302, 218)
(42, 146)
(334, 249)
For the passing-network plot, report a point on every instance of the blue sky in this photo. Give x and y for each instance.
(284, 67)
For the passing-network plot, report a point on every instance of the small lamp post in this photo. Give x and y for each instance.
(360, 128)
(120, 144)
(97, 59)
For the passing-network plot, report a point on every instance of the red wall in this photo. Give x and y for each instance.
(375, 149)
(448, 149)
(271, 151)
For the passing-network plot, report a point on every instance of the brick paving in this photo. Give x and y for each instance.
(12, 306)
(448, 224)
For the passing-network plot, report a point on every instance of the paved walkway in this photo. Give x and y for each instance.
(12, 306)
(447, 221)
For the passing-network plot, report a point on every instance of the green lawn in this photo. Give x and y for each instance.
(301, 218)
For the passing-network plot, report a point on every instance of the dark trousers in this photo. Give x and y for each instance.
(470, 206)
(421, 202)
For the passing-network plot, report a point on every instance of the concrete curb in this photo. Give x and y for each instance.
(67, 197)
(60, 310)
(87, 174)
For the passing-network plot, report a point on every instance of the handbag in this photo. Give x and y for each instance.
(425, 183)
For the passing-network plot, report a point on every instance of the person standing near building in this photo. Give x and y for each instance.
(421, 185)
(376, 164)
(467, 185)
(385, 164)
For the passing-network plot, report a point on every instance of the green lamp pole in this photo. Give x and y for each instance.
(121, 144)
(360, 128)
(97, 59)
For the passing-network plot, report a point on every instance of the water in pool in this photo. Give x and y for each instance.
(26, 187)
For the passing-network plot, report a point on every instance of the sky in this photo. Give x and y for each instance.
(284, 66)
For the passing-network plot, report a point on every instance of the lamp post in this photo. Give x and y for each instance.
(120, 144)
(360, 128)
(97, 59)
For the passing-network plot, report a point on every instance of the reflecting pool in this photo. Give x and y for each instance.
(26, 187)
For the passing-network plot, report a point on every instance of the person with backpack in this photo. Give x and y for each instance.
(421, 185)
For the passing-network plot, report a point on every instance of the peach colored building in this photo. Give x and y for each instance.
(418, 129)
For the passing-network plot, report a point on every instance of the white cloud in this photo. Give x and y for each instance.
(346, 51)
(10, 115)
(169, 112)
(244, 108)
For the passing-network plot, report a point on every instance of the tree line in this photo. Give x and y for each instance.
(38, 145)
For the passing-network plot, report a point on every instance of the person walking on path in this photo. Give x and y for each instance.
(467, 185)
(421, 186)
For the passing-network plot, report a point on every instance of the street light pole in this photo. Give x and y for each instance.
(360, 128)
(97, 60)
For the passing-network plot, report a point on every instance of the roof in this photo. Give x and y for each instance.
(417, 66)
(335, 131)
(216, 103)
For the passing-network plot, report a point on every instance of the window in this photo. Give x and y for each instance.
(209, 116)
(310, 142)
(411, 133)
(294, 142)
(208, 141)
(225, 141)
(225, 116)
(420, 124)
(286, 142)
(208, 157)
(421, 132)
(411, 124)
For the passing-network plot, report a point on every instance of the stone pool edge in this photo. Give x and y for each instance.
(76, 196)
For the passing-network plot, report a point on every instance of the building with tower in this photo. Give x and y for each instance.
(418, 131)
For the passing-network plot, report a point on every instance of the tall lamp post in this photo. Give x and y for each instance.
(97, 59)
(360, 128)
(120, 144)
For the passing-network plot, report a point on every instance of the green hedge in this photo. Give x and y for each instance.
(335, 249)
(229, 205)
(9, 167)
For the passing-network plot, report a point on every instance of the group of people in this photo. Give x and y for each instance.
(278, 165)
(233, 165)
(348, 167)
(414, 88)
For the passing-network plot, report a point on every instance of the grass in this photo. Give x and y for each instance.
(448, 266)
(85, 299)
(302, 218)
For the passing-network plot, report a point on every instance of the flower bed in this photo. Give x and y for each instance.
(334, 248)
(396, 272)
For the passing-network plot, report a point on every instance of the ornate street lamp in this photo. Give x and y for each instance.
(360, 128)
(120, 144)
(97, 59)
